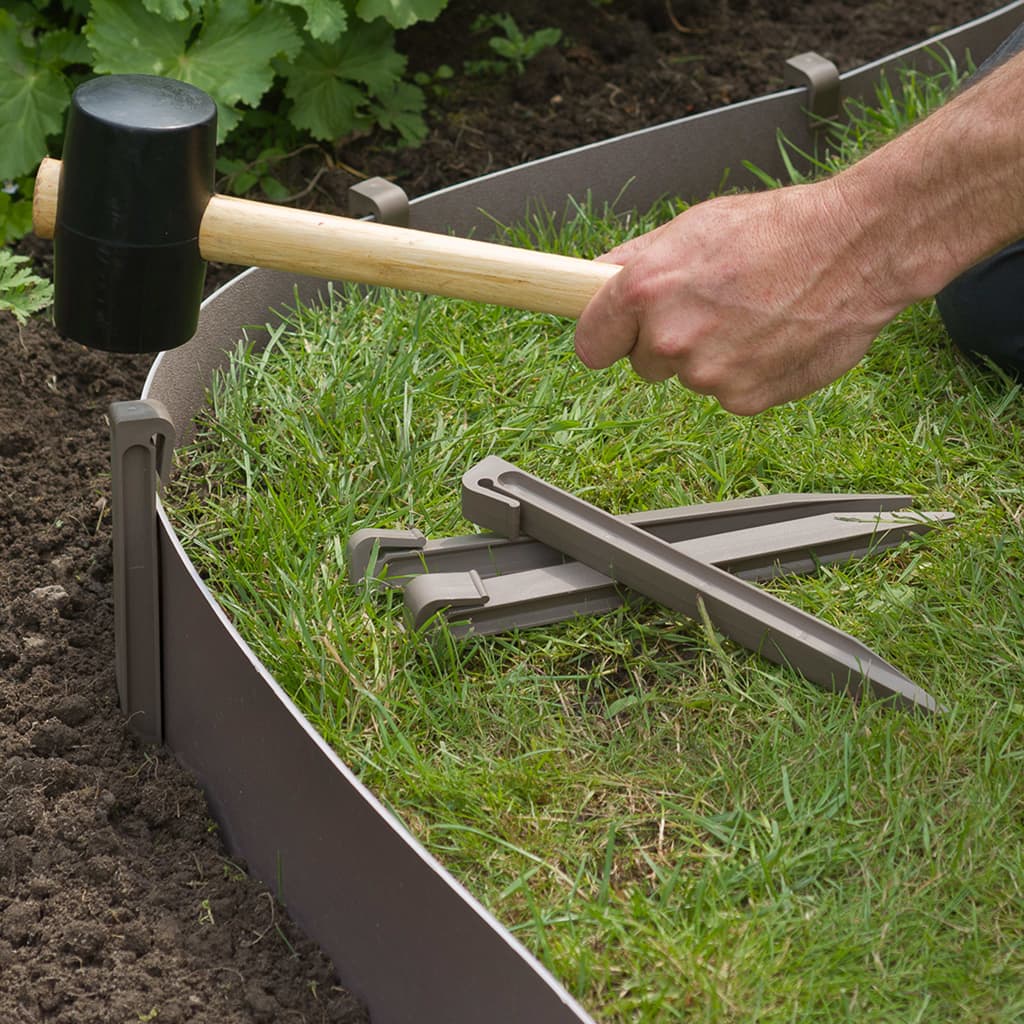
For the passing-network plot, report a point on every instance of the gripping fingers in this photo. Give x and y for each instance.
(607, 329)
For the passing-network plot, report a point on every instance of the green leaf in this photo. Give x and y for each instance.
(230, 57)
(325, 19)
(322, 86)
(330, 110)
(21, 292)
(243, 181)
(273, 189)
(400, 13)
(401, 110)
(504, 47)
(367, 54)
(127, 39)
(33, 99)
(15, 218)
(59, 48)
(173, 10)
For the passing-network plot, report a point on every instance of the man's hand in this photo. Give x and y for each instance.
(759, 299)
(755, 299)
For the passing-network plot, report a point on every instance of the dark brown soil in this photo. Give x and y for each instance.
(117, 900)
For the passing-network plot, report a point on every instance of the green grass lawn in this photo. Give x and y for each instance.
(679, 829)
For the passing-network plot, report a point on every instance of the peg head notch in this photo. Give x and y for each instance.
(138, 171)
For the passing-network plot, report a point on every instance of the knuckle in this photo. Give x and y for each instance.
(704, 378)
(665, 348)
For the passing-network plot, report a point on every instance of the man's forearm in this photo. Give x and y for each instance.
(946, 193)
(717, 299)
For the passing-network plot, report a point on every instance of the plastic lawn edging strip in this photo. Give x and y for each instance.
(403, 935)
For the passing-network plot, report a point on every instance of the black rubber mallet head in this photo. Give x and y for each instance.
(133, 216)
(138, 171)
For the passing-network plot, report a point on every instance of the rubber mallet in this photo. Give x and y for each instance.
(133, 216)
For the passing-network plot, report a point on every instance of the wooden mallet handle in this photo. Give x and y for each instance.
(240, 231)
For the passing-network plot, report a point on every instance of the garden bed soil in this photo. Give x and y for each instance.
(117, 900)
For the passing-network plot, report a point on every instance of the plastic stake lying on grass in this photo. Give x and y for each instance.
(393, 555)
(471, 603)
(501, 497)
(483, 583)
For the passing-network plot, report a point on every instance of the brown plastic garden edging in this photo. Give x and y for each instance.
(404, 936)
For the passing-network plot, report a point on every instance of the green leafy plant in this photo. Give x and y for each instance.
(21, 291)
(34, 86)
(15, 209)
(514, 49)
(327, 67)
(433, 82)
(241, 176)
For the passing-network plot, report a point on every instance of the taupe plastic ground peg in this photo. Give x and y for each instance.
(396, 555)
(381, 200)
(550, 593)
(367, 549)
(821, 79)
(141, 442)
(500, 496)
